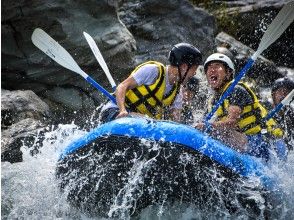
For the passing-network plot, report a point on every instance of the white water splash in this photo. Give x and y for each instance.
(30, 190)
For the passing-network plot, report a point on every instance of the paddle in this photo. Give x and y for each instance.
(273, 32)
(54, 50)
(284, 102)
(99, 58)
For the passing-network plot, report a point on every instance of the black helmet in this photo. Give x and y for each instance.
(283, 83)
(184, 53)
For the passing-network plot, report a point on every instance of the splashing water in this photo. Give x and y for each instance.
(30, 189)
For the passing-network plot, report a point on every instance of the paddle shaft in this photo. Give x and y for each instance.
(101, 89)
(284, 102)
(274, 111)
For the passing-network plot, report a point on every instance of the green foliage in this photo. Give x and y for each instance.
(227, 20)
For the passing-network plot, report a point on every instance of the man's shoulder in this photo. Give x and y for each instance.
(153, 63)
(146, 74)
(149, 67)
(240, 96)
(240, 89)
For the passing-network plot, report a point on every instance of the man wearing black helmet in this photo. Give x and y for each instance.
(152, 86)
(280, 89)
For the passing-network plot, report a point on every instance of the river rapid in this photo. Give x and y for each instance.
(30, 189)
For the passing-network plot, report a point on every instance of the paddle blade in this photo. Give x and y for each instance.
(99, 58)
(284, 18)
(54, 50)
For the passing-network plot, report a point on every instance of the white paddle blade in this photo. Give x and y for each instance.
(288, 98)
(284, 18)
(54, 50)
(99, 58)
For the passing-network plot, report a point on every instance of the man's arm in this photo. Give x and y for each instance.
(120, 94)
(226, 132)
(231, 121)
(144, 75)
(238, 100)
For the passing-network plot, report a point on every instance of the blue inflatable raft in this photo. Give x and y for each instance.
(141, 161)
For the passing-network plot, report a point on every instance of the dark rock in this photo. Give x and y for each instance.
(25, 66)
(24, 117)
(251, 19)
(18, 105)
(27, 132)
(158, 25)
(263, 71)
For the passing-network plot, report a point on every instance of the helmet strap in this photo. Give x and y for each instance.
(181, 79)
(230, 73)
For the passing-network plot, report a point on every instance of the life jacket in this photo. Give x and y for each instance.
(250, 121)
(150, 99)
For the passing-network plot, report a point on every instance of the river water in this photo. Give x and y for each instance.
(30, 189)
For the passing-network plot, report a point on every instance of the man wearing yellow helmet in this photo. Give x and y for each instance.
(152, 86)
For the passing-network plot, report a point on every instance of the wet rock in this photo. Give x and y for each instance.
(25, 66)
(27, 132)
(18, 105)
(158, 25)
(251, 18)
(251, 5)
(264, 71)
(71, 98)
(24, 117)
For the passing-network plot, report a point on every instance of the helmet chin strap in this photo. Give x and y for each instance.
(181, 80)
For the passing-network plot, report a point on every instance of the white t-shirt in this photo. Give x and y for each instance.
(147, 75)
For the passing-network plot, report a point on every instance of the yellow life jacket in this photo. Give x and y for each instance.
(150, 99)
(250, 121)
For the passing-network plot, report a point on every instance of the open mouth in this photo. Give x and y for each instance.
(213, 78)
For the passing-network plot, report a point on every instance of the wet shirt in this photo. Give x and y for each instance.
(239, 97)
